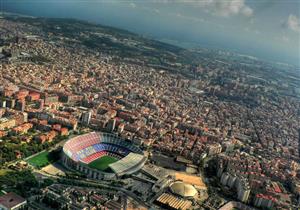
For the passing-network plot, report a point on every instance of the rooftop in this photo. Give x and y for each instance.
(183, 189)
(11, 200)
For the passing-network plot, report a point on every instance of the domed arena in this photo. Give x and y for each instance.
(183, 189)
(102, 155)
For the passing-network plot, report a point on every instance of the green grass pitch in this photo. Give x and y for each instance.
(40, 160)
(102, 163)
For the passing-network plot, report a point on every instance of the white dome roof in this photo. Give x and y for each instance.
(183, 189)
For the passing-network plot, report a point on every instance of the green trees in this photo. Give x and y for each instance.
(9, 147)
(19, 181)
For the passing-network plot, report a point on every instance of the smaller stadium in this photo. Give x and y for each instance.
(102, 156)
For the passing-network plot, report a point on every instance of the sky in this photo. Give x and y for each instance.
(269, 29)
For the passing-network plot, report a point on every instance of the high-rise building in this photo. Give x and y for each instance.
(224, 178)
(86, 117)
(243, 189)
(2, 103)
(232, 181)
(266, 201)
(20, 105)
(111, 125)
(11, 103)
(40, 104)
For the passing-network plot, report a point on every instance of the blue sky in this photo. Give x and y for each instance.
(268, 29)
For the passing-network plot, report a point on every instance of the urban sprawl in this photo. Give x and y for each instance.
(214, 137)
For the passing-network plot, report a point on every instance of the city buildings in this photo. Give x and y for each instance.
(236, 122)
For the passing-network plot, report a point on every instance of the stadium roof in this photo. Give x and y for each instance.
(183, 189)
(128, 163)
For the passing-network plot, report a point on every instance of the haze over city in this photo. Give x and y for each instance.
(269, 29)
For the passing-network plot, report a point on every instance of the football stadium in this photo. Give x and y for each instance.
(102, 156)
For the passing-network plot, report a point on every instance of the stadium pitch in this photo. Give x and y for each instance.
(102, 163)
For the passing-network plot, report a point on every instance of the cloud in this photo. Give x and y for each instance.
(257, 32)
(156, 11)
(247, 11)
(223, 8)
(251, 30)
(246, 29)
(285, 38)
(229, 7)
(293, 23)
(190, 18)
(132, 5)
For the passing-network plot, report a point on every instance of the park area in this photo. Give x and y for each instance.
(40, 160)
(43, 159)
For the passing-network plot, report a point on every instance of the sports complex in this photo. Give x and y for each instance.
(102, 155)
